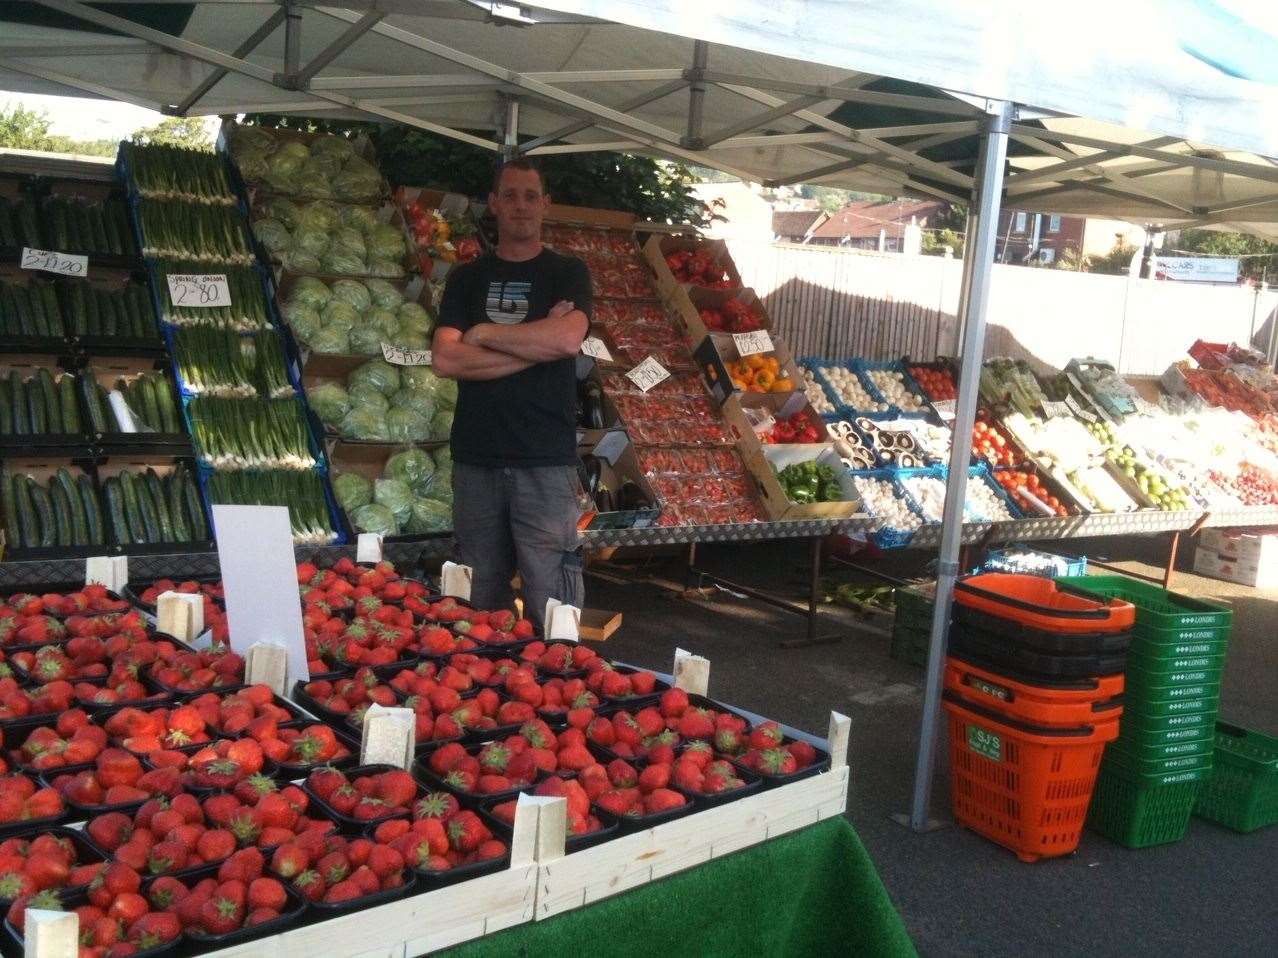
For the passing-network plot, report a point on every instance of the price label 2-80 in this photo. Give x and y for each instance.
(399, 356)
(750, 343)
(51, 261)
(205, 290)
(648, 374)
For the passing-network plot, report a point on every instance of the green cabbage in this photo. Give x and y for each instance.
(385, 268)
(386, 242)
(411, 340)
(273, 234)
(300, 261)
(407, 425)
(295, 150)
(354, 292)
(443, 458)
(384, 294)
(310, 291)
(314, 185)
(366, 340)
(379, 374)
(358, 184)
(340, 312)
(413, 466)
(285, 163)
(414, 316)
(441, 424)
(320, 165)
(352, 490)
(350, 240)
(331, 145)
(310, 239)
(446, 395)
(342, 263)
(430, 515)
(304, 321)
(284, 210)
(374, 518)
(395, 495)
(254, 166)
(364, 422)
(421, 379)
(330, 401)
(330, 339)
(412, 399)
(361, 218)
(368, 397)
(252, 138)
(319, 216)
(384, 320)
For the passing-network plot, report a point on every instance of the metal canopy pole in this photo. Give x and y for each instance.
(510, 129)
(696, 95)
(980, 251)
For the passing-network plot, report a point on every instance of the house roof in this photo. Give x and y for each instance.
(864, 218)
(795, 222)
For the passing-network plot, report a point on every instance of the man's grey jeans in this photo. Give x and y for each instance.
(508, 518)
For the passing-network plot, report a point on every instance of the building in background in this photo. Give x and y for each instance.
(740, 212)
(796, 226)
(1025, 236)
(876, 225)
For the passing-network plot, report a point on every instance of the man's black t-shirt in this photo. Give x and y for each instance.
(528, 418)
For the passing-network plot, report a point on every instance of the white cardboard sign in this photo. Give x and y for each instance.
(109, 571)
(259, 576)
(647, 374)
(946, 408)
(199, 289)
(455, 579)
(51, 261)
(594, 346)
(388, 737)
(180, 614)
(756, 341)
(691, 672)
(399, 356)
(267, 664)
(562, 621)
(368, 548)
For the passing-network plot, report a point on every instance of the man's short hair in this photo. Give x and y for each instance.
(518, 163)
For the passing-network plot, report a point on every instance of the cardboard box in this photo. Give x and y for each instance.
(741, 418)
(1249, 545)
(764, 462)
(560, 213)
(659, 247)
(620, 464)
(453, 206)
(1241, 571)
(719, 349)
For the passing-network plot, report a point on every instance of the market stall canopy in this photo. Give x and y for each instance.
(881, 95)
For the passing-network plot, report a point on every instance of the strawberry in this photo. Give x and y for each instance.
(397, 788)
(466, 831)
(153, 929)
(662, 799)
(290, 860)
(765, 735)
(267, 893)
(438, 804)
(220, 915)
(310, 884)
(804, 754)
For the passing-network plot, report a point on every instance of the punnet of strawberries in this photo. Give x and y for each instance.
(441, 835)
(699, 267)
(22, 799)
(334, 869)
(364, 796)
(42, 860)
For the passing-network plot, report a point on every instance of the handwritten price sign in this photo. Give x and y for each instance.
(399, 356)
(648, 374)
(946, 408)
(594, 346)
(64, 264)
(199, 289)
(748, 344)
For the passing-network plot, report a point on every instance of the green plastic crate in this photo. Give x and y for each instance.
(1130, 731)
(1118, 754)
(1127, 809)
(1167, 613)
(1150, 644)
(1170, 664)
(1142, 686)
(1242, 792)
(1148, 709)
(909, 645)
(1203, 718)
(1135, 745)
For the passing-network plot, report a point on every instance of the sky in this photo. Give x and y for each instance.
(84, 118)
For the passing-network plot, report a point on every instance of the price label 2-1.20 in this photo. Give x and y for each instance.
(748, 344)
(201, 290)
(51, 261)
(648, 374)
(399, 356)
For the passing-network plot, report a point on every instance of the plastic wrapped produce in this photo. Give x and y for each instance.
(330, 401)
(395, 495)
(379, 374)
(408, 425)
(352, 490)
(374, 518)
(414, 467)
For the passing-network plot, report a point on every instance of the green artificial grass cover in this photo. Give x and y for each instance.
(809, 893)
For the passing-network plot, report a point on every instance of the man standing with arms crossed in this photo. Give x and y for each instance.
(510, 327)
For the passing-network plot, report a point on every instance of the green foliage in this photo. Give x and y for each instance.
(189, 132)
(22, 128)
(652, 189)
(1114, 263)
(935, 242)
(1217, 243)
(832, 199)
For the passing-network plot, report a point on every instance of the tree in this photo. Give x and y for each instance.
(1117, 262)
(22, 128)
(935, 242)
(1216, 243)
(190, 132)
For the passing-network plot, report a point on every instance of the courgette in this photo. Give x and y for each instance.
(6, 410)
(133, 509)
(79, 517)
(61, 515)
(93, 404)
(168, 409)
(146, 506)
(92, 509)
(93, 312)
(44, 510)
(13, 531)
(52, 311)
(150, 408)
(18, 405)
(26, 511)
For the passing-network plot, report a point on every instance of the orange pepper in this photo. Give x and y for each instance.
(756, 361)
(739, 384)
(764, 380)
(771, 364)
(782, 385)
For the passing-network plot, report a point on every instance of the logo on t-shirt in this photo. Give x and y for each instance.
(507, 302)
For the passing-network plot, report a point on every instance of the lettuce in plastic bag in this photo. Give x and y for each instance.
(443, 458)
(368, 397)
(384, 294)
(407, 425)
(283, 209)
(421, 379)
(379, 374)
(411, 340)
(366, 340)
(311, 291)
(342, 263)
(413, 466)
(430, 515)
(333, 145)
(441, 424)
(374, 518)
(385, 268)
(352, 490)
(385, 242)
(446, 395)
(395, 495)
(350, 240)
(286, 162)
(310, 240)
(304, 321)
(364, 422)
(273, 234)
(254, 165)
(361, 218)
(319, 215)
(324, 165)
(330, 401)
(354, 292)
(355, 185)
(331, 339)
(340, 312)
(252, 138)
(301, 261)
(414, 316)
(384, 320)
(422, 402)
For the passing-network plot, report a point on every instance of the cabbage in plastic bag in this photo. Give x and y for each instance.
(407, 425)
(421, 379)
(330, 401)
(413, 466)
(304, 321)
(386, 242)
(443, 458)
(352, 490)
(414, 316)
(385, 268)
(364, 422)
(441, 424)
(285, 162)
(332, 145)
(446, 394)
(330, 339)
(384, 294)
(350, 240)
(366, 340)
(374, 518)
(311, 240)
(430, 515)
(395, 495)
(410, 340)
(354, 292)
(295, 150)
(384, 320)
(379, 374)
(342, 263)
(301, 261)
(357, 185)
(325, 166)
(361, 218)
(369, 397)
(273, 234)
(340, 312)
(311, 291)
(295, 308)
(319, 216)
(283, 209)
(421, 402)
(254, 166)
(252, 138)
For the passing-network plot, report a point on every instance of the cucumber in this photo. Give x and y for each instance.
(194, 509)
(35, 408)
(70, 405)
(115, 511)
(92, 509)
(160, 504)
(6, 409)
(77, 307)
(177, 509)
(44, 510)
(12, 530)
(18, 404)
(26, 511)
(146, 506)
(52, 311)
(133, 509)
(168, 409)
(93, 312)
(61, 514)
(49, 399)
(26, 325)
(150, 409)
(79, 518)
(93, 404)
(38, 319)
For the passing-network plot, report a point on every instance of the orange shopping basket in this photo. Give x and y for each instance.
(1023, 786)
(1041, 604)
(1066, 703)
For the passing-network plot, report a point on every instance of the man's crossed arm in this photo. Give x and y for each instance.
(491, 351)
